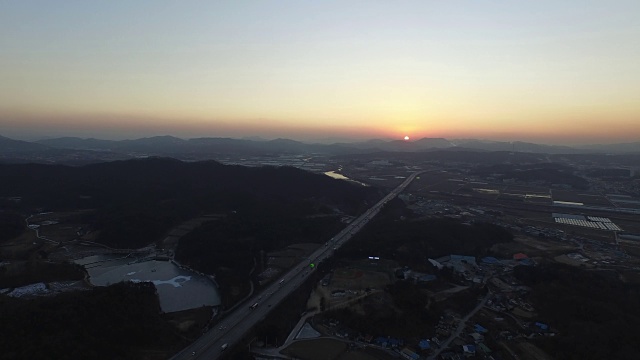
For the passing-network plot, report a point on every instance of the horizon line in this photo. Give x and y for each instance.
(329, 140)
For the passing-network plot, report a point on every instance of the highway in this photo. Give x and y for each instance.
(235, 325)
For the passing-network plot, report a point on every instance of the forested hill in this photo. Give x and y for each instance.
(137, 201)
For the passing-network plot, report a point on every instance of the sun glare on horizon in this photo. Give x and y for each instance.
(232, 68)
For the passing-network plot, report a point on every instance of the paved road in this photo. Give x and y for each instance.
(237, 323)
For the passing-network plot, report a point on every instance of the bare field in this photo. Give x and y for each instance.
(359, 280)
(595, 199)
(354, 280)
(631, 250)
(511, 197)
(600, 235)
(537, 200)
(577, 196)
(444, 182)
(533, 247)
(323, 349)
(57, 216)
(564, 259)
(60, 226)
(60, 232)
(527, 189)
(523, 313)
(366, 354)
(632, 226)
(444, 186)
(482, 193)
(189, 323)
(631, 276)
(528, 351)
(494, 320)
(20, 247)
(382, 177)
(318, 349)
(292, 255)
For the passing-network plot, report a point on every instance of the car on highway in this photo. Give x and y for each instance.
(224, 347)
(253, 306)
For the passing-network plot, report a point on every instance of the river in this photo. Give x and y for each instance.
(335, 175)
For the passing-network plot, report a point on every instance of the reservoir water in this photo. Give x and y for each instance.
(178, 289)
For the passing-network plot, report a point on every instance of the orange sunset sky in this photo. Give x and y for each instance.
(543, 71)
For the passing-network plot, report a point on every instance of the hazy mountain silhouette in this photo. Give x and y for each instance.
(202, 148)
(78, 143)
(633, 147)
(516, 146)
(399, 145)
(18, 146)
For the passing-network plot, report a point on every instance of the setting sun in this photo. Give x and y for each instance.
(406, 138)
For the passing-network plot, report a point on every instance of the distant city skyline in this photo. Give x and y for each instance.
(543, 72)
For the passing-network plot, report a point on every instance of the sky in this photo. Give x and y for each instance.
(559, 72)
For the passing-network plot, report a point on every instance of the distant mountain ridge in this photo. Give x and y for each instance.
(401, 145)
(516, 146)
(199, 148)
(633, 147)
(16, 146)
